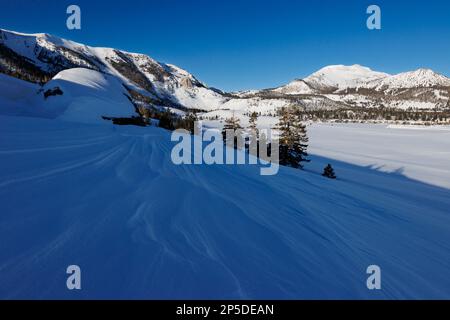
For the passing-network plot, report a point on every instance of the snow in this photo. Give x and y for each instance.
(295, 87)
(23, 44)
(341, 77)
(87, 96)
(197, 97)
(75, 189)
(171, 83)
(109, 200)
(422, 78)
(418, 152)
(405, 104)
(16, 96)
(419, 127)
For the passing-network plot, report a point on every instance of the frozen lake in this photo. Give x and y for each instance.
(418, 152)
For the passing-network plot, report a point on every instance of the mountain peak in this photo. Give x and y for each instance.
(423, 78)
(342, 76)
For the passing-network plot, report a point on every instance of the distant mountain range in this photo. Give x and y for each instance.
(39, 58)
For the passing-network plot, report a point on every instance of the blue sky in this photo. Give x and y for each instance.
(250, 44)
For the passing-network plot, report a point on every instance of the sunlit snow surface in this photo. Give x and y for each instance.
(109, 200)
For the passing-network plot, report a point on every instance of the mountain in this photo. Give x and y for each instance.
(421, 78)
(296, 87)
(147, 83)
(348, 87)
(110, 200)
(338, 78)
(40, 57)
(342, 77)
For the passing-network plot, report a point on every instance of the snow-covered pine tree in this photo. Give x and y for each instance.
(329, 172)
(253, 123)
(233, 124)
(293, 138)
(253, 138)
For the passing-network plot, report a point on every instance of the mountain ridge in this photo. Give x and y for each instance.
(40, 57)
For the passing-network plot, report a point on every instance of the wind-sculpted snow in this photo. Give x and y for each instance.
(109, 200)
(87, 96)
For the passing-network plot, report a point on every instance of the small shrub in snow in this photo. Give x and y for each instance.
(53, 92)
(329, 172)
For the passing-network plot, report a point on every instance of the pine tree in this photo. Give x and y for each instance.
(166, 120)
(253, 125)
(329, 172)
(234, 124)
(293, 138)
(190, 119)
(252, 140)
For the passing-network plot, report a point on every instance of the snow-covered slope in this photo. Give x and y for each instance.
(88, 95)
(78, 95)
(295, 87)
(109, 200)
(39, 57)
(17, 97)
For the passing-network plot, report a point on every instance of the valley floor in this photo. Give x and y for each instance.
(109, 200)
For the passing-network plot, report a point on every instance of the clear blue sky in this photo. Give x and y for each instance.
(247, 44)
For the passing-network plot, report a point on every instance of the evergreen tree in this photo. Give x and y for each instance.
(166, 120)
(329, 172)
(253, 125)
(232, 123)
(188, 122)
(252, 140)
(292, 138)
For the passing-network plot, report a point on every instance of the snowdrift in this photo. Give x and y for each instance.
(109, 200)
(87, 95)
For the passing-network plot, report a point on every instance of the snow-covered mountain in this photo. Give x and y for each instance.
(343, 77)
(340, 77)
(342, 87)
(421, 78)
(296, 87)
(110, 200)
(39, 58)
